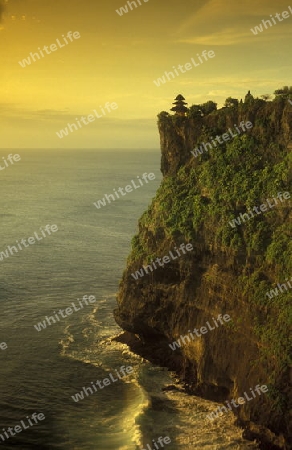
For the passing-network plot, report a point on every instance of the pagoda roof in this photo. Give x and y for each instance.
(179, 108)
(179, 97)
(179, 102)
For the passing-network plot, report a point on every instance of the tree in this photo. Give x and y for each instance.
(285, 92)
(163, 115)
(266, 97)
(164, 118)
(208, 107)
(231, 102)
(195, 111)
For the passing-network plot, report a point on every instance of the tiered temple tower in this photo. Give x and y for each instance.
(179, 108)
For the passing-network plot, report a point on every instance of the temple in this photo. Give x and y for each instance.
(179, 107)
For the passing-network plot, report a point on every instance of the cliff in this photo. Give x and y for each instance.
(231, 268)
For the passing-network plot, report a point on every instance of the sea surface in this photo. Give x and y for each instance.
(40, 371)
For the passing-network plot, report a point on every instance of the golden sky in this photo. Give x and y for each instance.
(117, 58)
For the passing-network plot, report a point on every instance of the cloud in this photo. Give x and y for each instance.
(60, 117)
(213, 12)
(11, 110)
(228, 36)
(232, 36)
(229, 24)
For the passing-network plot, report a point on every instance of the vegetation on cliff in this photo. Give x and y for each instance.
(200, 196)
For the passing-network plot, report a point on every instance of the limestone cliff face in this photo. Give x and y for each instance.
(230, 269)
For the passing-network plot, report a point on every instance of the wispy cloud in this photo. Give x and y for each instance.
(214, 25)
(227, 36)
(11, 112)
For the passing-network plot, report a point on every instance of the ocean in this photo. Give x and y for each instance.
(40, 371)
